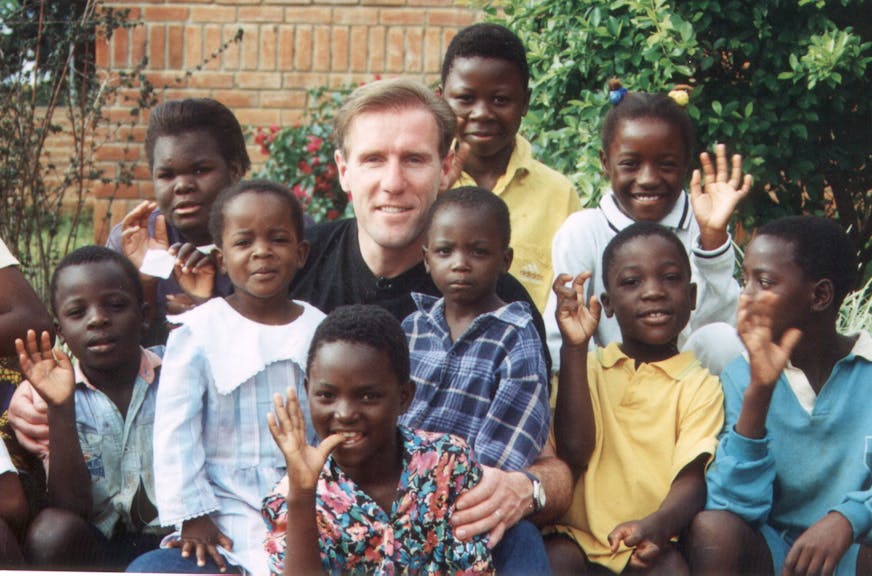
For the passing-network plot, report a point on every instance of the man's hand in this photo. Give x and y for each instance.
(819, 549)
(495, 504)
(28, 415)
(201, 536)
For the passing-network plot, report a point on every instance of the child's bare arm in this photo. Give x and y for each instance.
(304, 464)
(714, 203)
(819, 549)
(50, 372)
(574, 427)
(652, 533)
(767, 359)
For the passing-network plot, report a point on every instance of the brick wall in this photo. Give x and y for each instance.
(287, 47)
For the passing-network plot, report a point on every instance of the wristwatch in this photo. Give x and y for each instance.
(538, 492)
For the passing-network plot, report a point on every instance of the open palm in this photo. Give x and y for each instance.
(135, 240)
(716, 200)
(50, 372)
(576, 321)
(754, 324)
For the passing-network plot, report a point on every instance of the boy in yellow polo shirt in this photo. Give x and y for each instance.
(485, 80)
(636, 422)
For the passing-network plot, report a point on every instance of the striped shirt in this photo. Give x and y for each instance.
(489, 387)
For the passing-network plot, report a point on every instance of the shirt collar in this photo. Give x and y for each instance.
(148, 362)
(516, 313)
(520, 164)
(679, 217)
(676, 367)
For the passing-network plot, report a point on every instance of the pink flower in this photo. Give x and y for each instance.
(357, 532)
(314, 144)
(304, 167)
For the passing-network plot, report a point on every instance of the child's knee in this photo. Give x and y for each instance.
(58, 537)
(564, 555)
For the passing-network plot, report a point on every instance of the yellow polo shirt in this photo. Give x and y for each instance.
(651, 422)
(539, 200)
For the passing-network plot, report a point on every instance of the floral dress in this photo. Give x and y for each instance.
(356, 536)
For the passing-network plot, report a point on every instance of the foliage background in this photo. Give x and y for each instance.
(785, 83)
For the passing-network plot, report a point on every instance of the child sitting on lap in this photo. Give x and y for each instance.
(637, 421)
(790, 489)
(372, 497)
(214, 456)
(101, 510)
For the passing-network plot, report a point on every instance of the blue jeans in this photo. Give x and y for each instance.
(521, 552)
(170, 561)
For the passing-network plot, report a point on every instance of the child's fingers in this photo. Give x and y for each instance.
(708, 169)
(616, 537)
(559, 284)
(721, 159)
(595, 306)
(736, 172)
(746, 184)
(329, 444)
(790, 339)
(695, 183)
(135, 216)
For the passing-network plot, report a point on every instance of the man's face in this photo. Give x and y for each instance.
(392, 170)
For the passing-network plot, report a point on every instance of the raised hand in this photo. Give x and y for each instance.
(288, 429)
(754, 324)
(201, 536)
(194, 271)
(576, 321)
(135, 241)
(715, 202)
(50, 372)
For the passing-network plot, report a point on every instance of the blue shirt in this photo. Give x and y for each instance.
(816, 456)
(490, 387)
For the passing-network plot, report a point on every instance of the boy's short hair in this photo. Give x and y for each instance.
(95, 255)
(475, 198)
(368, 325)
(192, 114)
(658, 105)
(257, 186)
(486, 40)
(821, 248)
(641, 229)
(394, 94)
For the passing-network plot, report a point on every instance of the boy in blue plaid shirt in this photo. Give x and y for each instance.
(477, 362)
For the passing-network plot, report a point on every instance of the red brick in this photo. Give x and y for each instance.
(209, 79)
(237, 99)
(433, 50)
(231, 56)
(291, 117)
(257, 117)
(165, 13)
(283, 99)
(157, 47)
(358, 48)
(383, 2)
(303, 48)
(309, 15)
(254, 80)
(339, 49)
(448, 17)
(213, 14)
(138, 44)
(193, 46)
(214, 38)
(321, 49)
(396, 56)
(268, 47)
(260, 14)
(377, 48)
(101, 52)
(285, 47)
(402, 17)
(250, 48)
(120, 45)
(294, 80)
(176, 46)
(414, 48)
(359, 16)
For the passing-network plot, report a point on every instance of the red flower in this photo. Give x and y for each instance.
(332, 214)
(314, 144)
(299, 191)
(304, 167)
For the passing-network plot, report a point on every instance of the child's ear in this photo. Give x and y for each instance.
(692, 295)
(439, 91)
(607, 305)
(604, 164)
(426, 259)
(219, 260)
(236, 172)
(407, 392)
(822, 295)
(508, 256)
(303, 253)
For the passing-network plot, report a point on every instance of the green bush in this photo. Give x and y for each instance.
(301, 156)
(785, 83)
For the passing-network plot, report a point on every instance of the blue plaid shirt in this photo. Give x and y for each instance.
(490, 387)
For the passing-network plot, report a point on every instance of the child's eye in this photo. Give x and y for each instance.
(242, 242)
(501, 100)
(324, 395)
(442, 250)
(74, 312)
(370, 396)
(202, 170)
(164, 175)
(631, 281)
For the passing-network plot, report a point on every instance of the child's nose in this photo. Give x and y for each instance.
(480, 109)
(184, 183)
(97, 318)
